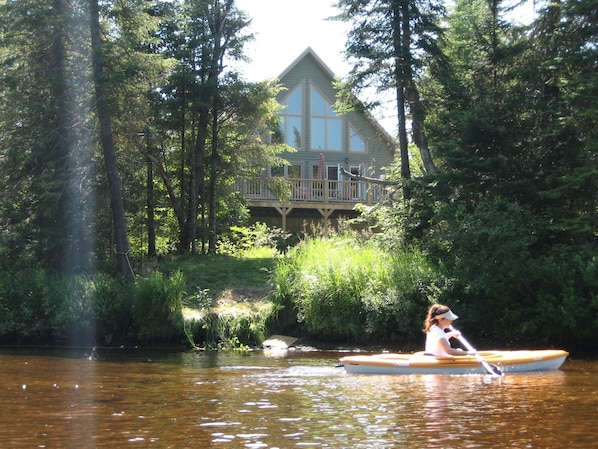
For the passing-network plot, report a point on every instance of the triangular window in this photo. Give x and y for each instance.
(357, 142)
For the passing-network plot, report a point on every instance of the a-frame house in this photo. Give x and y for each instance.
(327, 145)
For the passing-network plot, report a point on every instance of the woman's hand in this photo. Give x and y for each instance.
(453, 334)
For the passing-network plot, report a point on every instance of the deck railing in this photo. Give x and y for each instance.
(314, 191)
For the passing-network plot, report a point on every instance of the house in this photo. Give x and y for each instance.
(328, 147)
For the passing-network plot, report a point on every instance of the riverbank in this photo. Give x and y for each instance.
(233, 295)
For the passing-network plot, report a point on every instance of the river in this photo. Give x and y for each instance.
(300, 399)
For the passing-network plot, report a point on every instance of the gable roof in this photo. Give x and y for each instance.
(309, 52)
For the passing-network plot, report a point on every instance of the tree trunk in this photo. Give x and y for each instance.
(399, 80)
(65, 220)
(151, 221)
(212, 194)
(178, 204)
(198, 191)
(418, 115)
(123, 267)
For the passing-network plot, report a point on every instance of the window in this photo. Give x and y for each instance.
(331, 172)
(277, 172)
(357, 143)
(292, 118)
(294, 171)
(326, 126)
(286, 171)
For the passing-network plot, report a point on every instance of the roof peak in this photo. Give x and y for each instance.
(308, 52)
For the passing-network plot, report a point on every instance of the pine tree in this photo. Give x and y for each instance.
(47, 167)
(386, 45)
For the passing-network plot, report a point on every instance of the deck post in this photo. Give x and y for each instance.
(326, 212)
(284, 211)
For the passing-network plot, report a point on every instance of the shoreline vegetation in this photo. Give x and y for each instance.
(125, 130)
(338, 292)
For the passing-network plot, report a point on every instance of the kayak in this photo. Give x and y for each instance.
(421, 363)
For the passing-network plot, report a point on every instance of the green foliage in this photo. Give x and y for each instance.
(489, 247)
(114, 321)
(340, 290)
(225, 326)
(241, 239)
(511, 218)
(509, 222)
(157, 307)
(41, 307)
(46, 169)
(563, 296)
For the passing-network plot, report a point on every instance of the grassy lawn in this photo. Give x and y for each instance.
(227, 281)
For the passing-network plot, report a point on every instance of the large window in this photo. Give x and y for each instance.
(326, 126)
(292, 118)
(356, 142)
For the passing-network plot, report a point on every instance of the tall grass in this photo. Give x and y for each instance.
(158, 307)
(233, 326)
(341, 290)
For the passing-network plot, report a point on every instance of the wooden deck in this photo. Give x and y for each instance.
(326, 196)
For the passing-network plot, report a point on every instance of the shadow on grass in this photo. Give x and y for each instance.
(220, 274)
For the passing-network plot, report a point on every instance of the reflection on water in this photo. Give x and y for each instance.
(159, 399)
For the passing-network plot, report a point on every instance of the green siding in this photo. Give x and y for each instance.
(307, 70)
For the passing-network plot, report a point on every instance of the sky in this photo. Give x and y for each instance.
(283, 29)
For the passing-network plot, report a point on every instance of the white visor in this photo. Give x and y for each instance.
(448, 315)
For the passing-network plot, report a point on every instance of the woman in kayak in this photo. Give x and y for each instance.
(438, 319)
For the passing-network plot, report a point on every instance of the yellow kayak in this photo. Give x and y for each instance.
(421, 363)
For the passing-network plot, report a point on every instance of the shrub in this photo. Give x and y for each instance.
(113, 309)
(240, 239)
(42, 307)
(23, 300)
(157, 307)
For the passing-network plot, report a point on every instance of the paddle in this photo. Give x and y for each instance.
(490, 368)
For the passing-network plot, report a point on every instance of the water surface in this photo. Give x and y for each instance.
(167, 399)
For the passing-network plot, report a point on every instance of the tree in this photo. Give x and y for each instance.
(201, 36)
(386, 43)
(476, 125)
(514, 207)
(47, 167)
(123, 266)
(50, 94)
(510, 118)
(563, 133)
(207, 107)
(225, 25)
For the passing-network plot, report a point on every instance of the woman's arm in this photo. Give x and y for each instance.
(452, 351)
